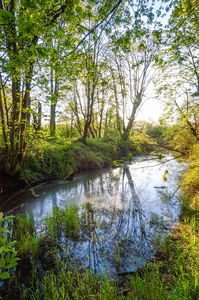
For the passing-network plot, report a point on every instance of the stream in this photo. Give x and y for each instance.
(129, 207)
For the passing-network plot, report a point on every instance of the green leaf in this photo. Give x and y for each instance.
(8, 257)
(2, 249)
(5, 275)
(12, 244)
(16, 259)
(2, 262)
(11, 265)
(13, 254)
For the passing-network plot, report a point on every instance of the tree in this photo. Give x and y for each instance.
(132, 71)
(180, 65)
(22, 24)
(24, 27)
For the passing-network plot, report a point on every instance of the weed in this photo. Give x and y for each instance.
(25, 235)
(71, 221)
(8, 255)
(130, 156)
(115, 164)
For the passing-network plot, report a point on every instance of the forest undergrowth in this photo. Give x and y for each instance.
(58, 156)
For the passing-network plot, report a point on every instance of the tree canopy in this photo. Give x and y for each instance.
(95, 59)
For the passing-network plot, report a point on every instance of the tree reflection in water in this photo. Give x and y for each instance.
(114, 239)
(124, 209)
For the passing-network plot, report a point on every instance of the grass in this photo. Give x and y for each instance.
(63, 222)
(172, 275)
(25, 235)
(57, 157)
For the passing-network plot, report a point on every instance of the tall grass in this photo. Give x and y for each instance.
(25, 235)
(172, 275)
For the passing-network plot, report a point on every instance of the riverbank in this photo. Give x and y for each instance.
(49, 158)
(57, 156)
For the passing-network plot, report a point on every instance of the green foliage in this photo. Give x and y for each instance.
(124, 147)
(190, 182)
(155, 131)
(64, 221)
(72, 285)
(149, 284)
(130, 156)
(116, 164)
(104, 149)
(88, 160)
(57, 156)
(8, 254)
(183, 140)
(177, 293)
(25, 235)
(175, 276)
(142, 141)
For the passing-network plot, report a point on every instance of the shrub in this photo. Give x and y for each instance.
(190, 183)
(8, 255)
(130, 156)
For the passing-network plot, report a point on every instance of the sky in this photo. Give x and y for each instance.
(150, 111)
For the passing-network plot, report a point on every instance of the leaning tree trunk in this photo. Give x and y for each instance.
(129, 126)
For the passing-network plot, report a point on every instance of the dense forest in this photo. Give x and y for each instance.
(73, 77)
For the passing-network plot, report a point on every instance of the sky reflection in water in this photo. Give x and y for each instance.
(128, 207)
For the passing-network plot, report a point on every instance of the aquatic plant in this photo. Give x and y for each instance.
(172, 275)
(71, 221)
(25, 235)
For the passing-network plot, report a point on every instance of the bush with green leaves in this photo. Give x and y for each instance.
(190, 183)
(8, 255)
(55, 157)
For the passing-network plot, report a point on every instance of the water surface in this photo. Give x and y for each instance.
(129, 207)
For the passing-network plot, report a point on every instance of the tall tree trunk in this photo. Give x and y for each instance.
(4, 102)
(39, 116)
(37, 119)
(3, 123)
(54, 98)
(25, 113)
(14, 124)
(86, 127)
(106, 123)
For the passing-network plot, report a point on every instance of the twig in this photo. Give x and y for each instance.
(161, 163)
(23, 189)
(31, 189)
(39, 185)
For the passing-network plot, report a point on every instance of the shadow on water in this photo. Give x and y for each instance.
(121, 212)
